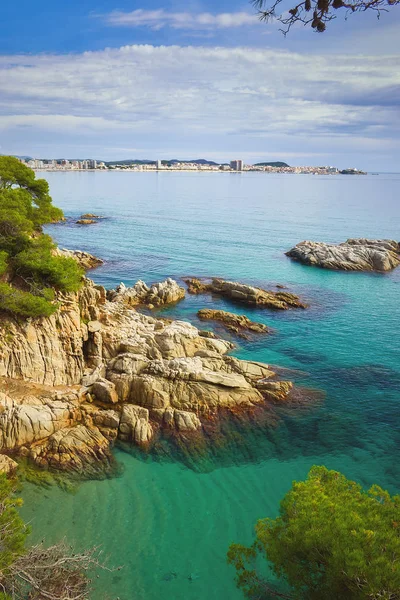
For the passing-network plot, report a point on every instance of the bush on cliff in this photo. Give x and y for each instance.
(38, 263)
(38, 572)
(26, 254)
(24, 304)
(332, 540)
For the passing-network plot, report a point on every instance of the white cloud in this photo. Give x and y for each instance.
(157, 19)
(240, 99)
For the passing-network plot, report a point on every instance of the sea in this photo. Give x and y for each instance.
(169, 522)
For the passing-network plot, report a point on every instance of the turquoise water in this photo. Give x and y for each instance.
(164, 518)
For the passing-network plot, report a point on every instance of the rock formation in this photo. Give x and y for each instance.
(235, 323)
(97, 371)
(165, 292)
(352, 255)
(84, 259)
(245, 294)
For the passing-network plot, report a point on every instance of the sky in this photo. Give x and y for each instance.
(121, 79)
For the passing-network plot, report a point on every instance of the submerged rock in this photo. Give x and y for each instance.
(231, 321)
(352, 255)
(165, 292)
(86, 221)
(245, 294)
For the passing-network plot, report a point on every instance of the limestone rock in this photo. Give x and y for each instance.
(33, 420)
(275, 390)
(352, 255)
(104, 391)
(134, 425)
(232, 321)
(246, 294)
(165, 292)
(78, 448)
(53, 350)
(84, 259)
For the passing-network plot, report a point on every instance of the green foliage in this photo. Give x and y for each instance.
(25, 253)
(332, 540)
(3, 262)
(24, 304)
(15, 175)
(38, 262)
(13, 531)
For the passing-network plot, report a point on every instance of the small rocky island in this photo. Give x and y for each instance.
(244, 294)
(353, 255)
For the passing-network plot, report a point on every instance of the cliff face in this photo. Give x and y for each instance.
(50, 350)
(98, 370)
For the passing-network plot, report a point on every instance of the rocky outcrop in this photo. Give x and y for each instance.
(8, 466)
(245, 294)
(352, 255)
(165, 292)
(235, 323)
(91, 216)
(88, 219)
(84, 259)
(97, 371)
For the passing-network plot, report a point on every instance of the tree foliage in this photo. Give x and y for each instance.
(332, 540)
(317, 13)
(27, 257)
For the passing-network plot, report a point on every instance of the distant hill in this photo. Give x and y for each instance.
(272, 164)
(130, 161)
(197, 161)
(20, 157)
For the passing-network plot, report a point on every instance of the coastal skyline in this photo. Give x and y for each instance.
(183, 80)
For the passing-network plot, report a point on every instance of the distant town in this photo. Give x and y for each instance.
(176, 165)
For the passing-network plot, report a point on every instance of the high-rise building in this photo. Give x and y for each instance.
(159, 164)
(236, 165)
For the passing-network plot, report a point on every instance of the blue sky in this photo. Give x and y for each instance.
(197, 79)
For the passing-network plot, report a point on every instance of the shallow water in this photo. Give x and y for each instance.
(170, 525)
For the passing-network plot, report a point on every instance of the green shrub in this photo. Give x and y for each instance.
(13, 531)
(24, 304)
(332, 540)
(38, 262)
(25, 205)
(17, 177)
(3, 262)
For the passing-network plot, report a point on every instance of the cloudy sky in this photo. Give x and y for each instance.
(127, 79)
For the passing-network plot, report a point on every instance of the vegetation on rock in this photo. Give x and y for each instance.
(332, 540)
(30, 271)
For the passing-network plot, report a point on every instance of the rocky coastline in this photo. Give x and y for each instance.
(98, 372)
(358, 254)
